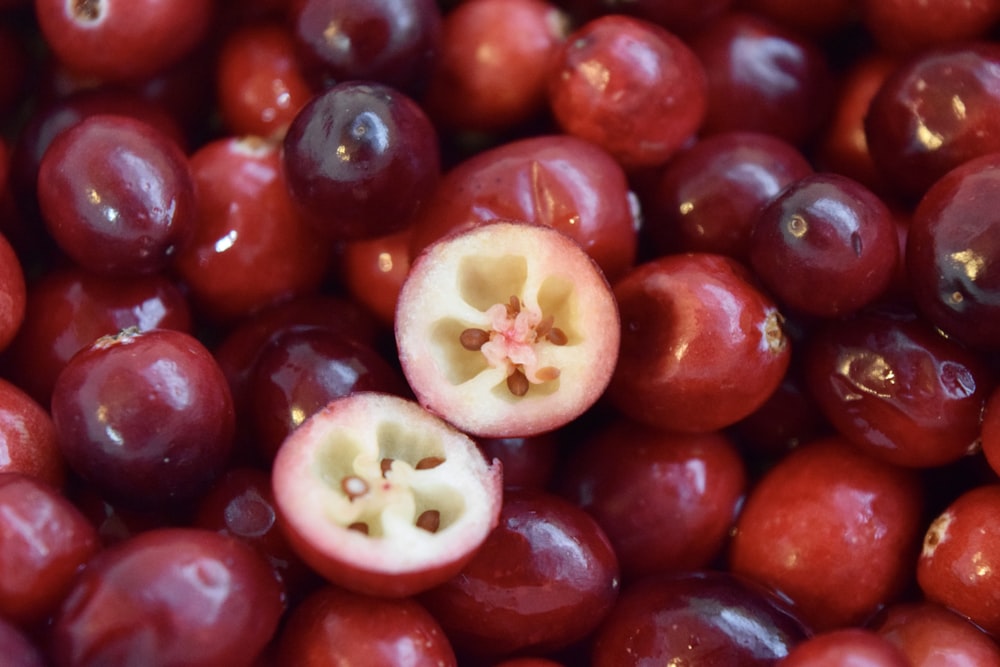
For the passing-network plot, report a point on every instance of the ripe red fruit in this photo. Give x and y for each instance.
(507, 329)
(382, 497)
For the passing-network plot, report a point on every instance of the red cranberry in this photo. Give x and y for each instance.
(374, 271)
(28, 438)
(681, 16)
(171, 596)
(145, 416)
(630, 87)
(17, 648)
(847, 647)
(930, 635)
(13, 293)
(819, 17)
(908, 26)
(528, 462)
(832, 529)
(117, 195)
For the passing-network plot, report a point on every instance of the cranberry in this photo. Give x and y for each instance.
(528, 462)
(681, 16)
(170, 596)
(17, 648)
(28, 438)
(13, 293)
(907, 26)
(630, 87)
(374, 271)
(820, 17)
(832, 529)
(713, 619)
(846, 648)
(145, 416)
(930, 634)
(544, 578)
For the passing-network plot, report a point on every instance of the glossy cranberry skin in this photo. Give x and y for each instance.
(951, 252)
(69, 308)
(701, 346)
(681, 619)
(525, 590)
(551, 180)
(930, 634)
(825, 246)
(630, 87)
(28, 438)
(762, 77)
(908, 26)
(13, 293)
(122, 40)
(17, 648)
(896, 388)
(990, 433)
(301, 371)
(360, 159)
(374, 271)
(847, 647)
(394, 42)
(146, 417)
(117, 195)
(708, 197)
(933, 113)
(250, 247)
(334, 626)
(528, 462)
(666, 501)
(174, 596)
(833, 530)
(44, 540)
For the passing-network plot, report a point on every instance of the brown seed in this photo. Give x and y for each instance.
(514, 306)
(359, 526)
(557, 336)
(517, 383)
(543, 327)
(473, 339)
(429, 520)
(429, 462)
(547, 374)
(354, 487)
(385, 465)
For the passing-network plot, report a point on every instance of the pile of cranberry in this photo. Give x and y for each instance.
(516, 333)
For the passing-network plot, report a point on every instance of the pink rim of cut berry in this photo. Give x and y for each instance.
(383, 498)
(507, 329)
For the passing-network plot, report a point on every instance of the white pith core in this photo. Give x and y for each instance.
(526, 328)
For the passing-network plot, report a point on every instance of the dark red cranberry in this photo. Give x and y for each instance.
(952, 253)
(44, 540)
(666, 501)
(171, 596)
(28, 438)
(394, 42)
(545, 578)
(17, 647)
(833, 530)
(990, 432)
(374, 271)
(931, 635)
(630, 87)
(762, 77)
(117, 195)
(826, 246)
(708, 197)
(709, 619)
(15, 69)
(146, 417)
(250, 247)
(818, 18)
(528, 462)
(847, 647)
(701, 347)
(680, 16)
(908, 26)
(334, 626)
(13, 293)
(360, 159)
(934, 112)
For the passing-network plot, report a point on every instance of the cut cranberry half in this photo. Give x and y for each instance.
(507, 329)
(382, 497)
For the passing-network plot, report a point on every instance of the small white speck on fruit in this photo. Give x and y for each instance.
(937, 533)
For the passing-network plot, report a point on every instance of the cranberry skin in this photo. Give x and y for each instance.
(250, 246)
(990, 430)
(45, 540)
(525, 590)
(681, 619)
(555, 180)
(826, 246)
(636, 481)
(952, 248)
(708, 197)
(360, 159)
(69, 308)
(909, 26)
(259, 84)
(701, 347)
(146, 417)
(958, 565)
(833, 530)
(936, 111)
(28, 438)
(898, 389)
(17, 649)
(762, 77)
(847, 647)
(301, 371)
(492, 92)
(117, 195)
(680, 16)
(630, 87)
(120, 40)
(172, 596)
(334, 626)
(931, 635)
(528, 462)
(819, 18)
(374, 271)
(394, 42)
(13, 293)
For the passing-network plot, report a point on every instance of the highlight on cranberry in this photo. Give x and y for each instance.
(507, 329)
(382, 497)
(499, 333)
